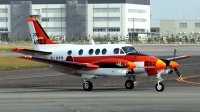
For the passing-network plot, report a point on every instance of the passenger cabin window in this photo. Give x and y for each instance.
(97, 51)
(116, 51)
(104, 51)
(69, 52)
(91, 51)
(129, 49)
(80, 52)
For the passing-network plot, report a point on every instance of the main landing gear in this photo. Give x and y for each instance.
(129, 84)
(87, 85)
(159, 86)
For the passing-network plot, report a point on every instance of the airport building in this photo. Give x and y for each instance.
(72, 18)
(190, 28)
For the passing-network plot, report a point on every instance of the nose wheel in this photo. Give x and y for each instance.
(159, 87)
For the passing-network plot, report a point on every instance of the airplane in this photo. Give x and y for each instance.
(93, 61)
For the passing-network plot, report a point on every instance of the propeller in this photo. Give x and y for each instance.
(175, 65)
(172, 64)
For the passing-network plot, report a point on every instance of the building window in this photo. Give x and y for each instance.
(103, 10)
(91, 51)
(197, 25)
(136, 30)
(137, 20)
(3, 10)
(54, 29)
(99, 29)
(104, 29)
(116, 51)
(97, 51)
(104, 51)
(137, 11)
(103, 19)
(183, 25)
(53, 10)
(53, 19)
(155, 30)
(3, 29)
(114, 29)
(80, 52)
(3, 19)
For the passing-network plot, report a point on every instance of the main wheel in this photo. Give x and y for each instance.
(160, 87)
(129, 84)
(87, 86)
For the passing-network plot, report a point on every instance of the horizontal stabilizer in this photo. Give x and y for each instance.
(67, 64)
(30, 52)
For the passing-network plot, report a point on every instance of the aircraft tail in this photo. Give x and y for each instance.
(39, 36)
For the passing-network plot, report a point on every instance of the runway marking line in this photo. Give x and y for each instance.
(189, 82)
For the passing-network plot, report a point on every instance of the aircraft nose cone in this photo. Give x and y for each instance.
(173, 64)
(160, 65)
(131, 65)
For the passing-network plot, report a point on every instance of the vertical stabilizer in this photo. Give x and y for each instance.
(39, 36)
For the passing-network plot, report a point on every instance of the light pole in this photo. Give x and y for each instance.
(133, 31)
(21, 27)
(71, 38)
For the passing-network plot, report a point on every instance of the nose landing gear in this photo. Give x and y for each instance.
(159, 86)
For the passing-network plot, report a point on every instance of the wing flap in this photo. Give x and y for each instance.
(30, 52)
(179, 57)
(67, 64)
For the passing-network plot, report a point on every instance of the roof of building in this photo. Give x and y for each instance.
(142, 2)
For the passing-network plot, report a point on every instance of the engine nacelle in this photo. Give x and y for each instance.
(167, 71)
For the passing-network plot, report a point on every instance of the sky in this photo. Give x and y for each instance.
(174, 9)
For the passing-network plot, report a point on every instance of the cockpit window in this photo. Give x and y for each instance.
(129, 49)
(121, 51)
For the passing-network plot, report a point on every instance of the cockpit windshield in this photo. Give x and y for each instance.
(129, 49)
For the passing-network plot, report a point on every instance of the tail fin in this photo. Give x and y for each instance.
(38, 34)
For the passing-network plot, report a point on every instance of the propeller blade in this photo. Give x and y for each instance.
(175, 47)
(178, 73)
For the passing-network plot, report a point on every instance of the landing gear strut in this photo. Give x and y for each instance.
(159, 86)
(87, 85)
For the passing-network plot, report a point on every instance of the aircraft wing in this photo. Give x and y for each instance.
(179, 57)
(30, 52)
(67, 64)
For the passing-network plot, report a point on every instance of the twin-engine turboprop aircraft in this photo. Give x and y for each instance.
(92, 61)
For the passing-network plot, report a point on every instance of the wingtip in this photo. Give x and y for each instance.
(189, 55)
(25, 57)
(92, 66)
(17, 49)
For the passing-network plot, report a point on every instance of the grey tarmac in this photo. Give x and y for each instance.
(101, 99)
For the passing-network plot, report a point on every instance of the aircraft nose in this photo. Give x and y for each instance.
(173, 64)
(131, 65)
(160, 65)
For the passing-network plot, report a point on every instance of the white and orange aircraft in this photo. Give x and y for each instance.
(92, 61)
